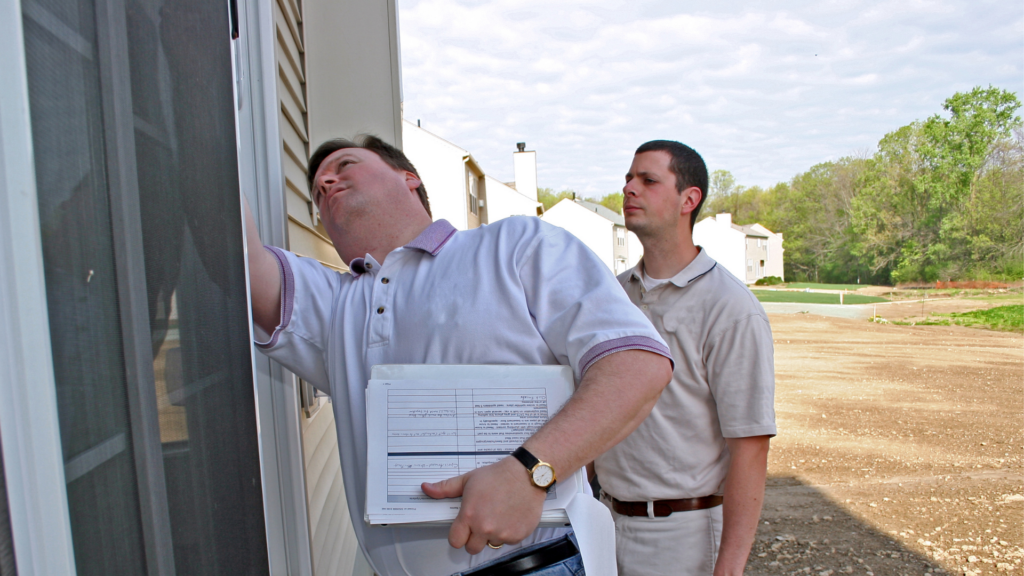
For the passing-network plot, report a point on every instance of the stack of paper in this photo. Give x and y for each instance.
(427, 423)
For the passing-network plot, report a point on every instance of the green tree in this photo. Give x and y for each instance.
(720, 183)
(986, 235)
(933, 183)
(612, 202)
(814, 212)
(891, 209)
(548, 197)
(746, 204)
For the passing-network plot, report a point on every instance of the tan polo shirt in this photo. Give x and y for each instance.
(723, 385)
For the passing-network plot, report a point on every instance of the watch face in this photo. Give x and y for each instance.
(543, 476)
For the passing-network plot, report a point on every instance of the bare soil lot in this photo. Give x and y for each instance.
(899, 451)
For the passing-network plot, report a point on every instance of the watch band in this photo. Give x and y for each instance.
(525, 458)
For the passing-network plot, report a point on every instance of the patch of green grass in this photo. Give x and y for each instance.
(813, 297)
(1009, 318)
(817, 286)
(1006, 318)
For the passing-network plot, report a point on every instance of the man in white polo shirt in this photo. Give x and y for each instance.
(515, 292)
(706, 441)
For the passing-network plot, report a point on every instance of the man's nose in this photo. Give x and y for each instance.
(627, 191)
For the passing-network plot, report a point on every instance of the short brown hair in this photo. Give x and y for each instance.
(389, 154)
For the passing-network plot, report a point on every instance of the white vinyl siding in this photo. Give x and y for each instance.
(305, 234)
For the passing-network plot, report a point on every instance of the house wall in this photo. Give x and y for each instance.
(636, 249)
(774, 264)
(620, 249)
(442, 169)
(723, 243)
(475, 197)
(504, 201)
(306, 235)
(593, 230)
(354, 83)
(333, 541)
(756, 251)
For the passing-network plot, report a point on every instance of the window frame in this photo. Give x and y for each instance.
(261, 181)
(29, 430)
(29, 424)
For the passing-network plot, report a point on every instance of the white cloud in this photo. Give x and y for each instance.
(764, 90)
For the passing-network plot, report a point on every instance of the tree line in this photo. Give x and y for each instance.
(940, 199)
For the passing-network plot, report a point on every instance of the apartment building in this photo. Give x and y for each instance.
(750, 252)
(602, 230)
(459, 189)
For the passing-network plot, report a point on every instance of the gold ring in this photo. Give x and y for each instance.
(495, 547)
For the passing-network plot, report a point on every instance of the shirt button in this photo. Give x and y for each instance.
(384, 280)
(380, 310)
(368, 266)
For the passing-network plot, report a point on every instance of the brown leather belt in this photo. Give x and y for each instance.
(662, 508)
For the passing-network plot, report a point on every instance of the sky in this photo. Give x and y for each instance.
(762, 89)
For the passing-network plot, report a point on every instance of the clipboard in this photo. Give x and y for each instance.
(429, 422)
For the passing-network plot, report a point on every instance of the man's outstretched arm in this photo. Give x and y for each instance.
(264, 277)
(499, 504)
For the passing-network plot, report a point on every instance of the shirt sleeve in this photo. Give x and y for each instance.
(308, 291)
(577, 304)
(741, 373)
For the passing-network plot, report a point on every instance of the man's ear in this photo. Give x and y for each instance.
(691, 198)
(412, 181)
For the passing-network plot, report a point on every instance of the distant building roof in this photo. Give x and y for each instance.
(607, 213)
(748, 229)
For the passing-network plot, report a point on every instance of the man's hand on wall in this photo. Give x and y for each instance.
(499, 505)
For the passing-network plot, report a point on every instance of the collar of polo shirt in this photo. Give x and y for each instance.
(700, 266)
(431, 241)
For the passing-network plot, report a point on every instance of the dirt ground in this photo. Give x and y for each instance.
(899, 450)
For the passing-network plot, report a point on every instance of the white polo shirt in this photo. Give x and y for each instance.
(519, 291)
(723, 385)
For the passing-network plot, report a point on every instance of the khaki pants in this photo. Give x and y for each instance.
(682, 544)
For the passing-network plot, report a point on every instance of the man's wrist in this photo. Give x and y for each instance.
(540, 473)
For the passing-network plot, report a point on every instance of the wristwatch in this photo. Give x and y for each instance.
(542, 475)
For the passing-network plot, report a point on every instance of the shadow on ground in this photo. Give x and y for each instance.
(804, 531)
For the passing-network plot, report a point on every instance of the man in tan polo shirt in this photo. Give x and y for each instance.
(686, 487)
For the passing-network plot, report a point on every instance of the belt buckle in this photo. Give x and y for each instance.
(659, 510)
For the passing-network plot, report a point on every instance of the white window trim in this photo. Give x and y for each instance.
(261, 180)
(29, 425)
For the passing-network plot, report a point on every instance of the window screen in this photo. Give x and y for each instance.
(134, 142)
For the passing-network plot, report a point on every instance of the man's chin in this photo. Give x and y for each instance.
(633, 222)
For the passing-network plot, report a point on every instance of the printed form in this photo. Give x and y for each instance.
(431, 423)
